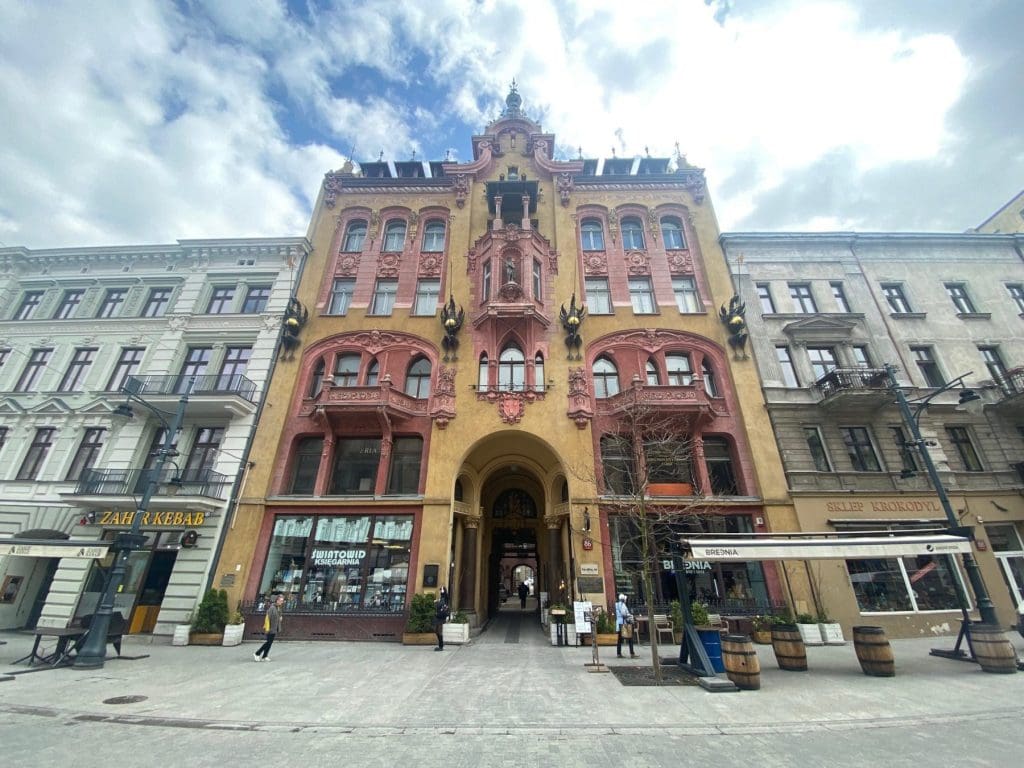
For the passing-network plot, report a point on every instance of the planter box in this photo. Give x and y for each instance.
(570, 633)
(233, 634)
(206, 638)
(810, 634)
(419, 638)
(181, 633)
(456, 634)
(832, 633)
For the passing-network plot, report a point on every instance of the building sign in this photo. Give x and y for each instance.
(335, 557)
(588, 569)
(696, 566)
(884, 506)
(154, 519)
(54, 550)
(806, 548)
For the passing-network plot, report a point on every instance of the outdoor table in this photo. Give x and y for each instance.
(61, 654)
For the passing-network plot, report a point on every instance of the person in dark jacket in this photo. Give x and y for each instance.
(275, 613)
(524, 592)
(441, 612)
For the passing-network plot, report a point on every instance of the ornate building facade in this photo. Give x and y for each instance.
(453, 414)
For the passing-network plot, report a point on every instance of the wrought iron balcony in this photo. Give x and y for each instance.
(854, 388)
(210, 394)
(1011, 387)
(119, 488)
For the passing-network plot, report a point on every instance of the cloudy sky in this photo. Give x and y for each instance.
(136, 121)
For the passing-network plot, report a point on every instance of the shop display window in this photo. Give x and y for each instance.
(906, 584)
(340, 563)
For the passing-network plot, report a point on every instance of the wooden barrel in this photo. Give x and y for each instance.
(789, 648)
(874, 652)
(741, 662)
(992, 649)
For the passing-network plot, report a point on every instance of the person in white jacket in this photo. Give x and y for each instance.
(623, 617)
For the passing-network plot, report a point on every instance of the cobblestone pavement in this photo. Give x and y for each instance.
(507, 698)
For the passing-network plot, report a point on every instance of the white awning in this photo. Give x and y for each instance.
(86, 551)
(810, 548)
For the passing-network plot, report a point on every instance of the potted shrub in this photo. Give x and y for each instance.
(710, 637)
(606, 634)
(456, 631)
(235, 628)
(675, 614)
(810, 633)
(831, 630)
(210, 619)
(419, 629)
(762, 629)
(562, 616)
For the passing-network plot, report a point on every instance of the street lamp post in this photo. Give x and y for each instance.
(94, 648)
(911, 417)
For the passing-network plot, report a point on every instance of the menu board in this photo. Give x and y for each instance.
(582, 609)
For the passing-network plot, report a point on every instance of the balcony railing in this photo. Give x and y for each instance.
(205, 385)
(854, 387)
(131, 482)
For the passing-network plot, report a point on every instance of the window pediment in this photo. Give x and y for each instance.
(819, 329)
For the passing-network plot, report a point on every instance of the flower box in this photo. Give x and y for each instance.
(456, 634)
(810, 634)
(181, 633)
(233, 634)
(832, 633)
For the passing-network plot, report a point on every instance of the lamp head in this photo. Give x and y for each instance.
(970, 401)
(124, 411)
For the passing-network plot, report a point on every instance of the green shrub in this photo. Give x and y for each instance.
(460, 617)
(212, 614)
(605, 623)
(675, 613)
(805, 618)
(421, 613)
(699, 614)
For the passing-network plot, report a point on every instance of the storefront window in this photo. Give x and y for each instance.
(905, 584)
(346, 563)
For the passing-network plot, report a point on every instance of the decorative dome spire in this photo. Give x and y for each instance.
(513, 102)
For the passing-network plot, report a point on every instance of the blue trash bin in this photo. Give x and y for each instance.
(711, 639)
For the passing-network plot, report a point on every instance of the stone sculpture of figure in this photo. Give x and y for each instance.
(510, 270)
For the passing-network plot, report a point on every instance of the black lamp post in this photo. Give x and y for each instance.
(94, 648)
(912, 417)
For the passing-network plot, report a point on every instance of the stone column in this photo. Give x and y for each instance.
(556, 571)
(470, 534)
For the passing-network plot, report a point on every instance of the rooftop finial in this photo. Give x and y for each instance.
(513, 102)
(381, 158)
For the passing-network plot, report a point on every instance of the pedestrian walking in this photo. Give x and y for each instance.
(524, 592)
(271, 626)
(624, 627)
(441, 611)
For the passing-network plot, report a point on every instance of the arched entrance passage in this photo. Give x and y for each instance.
(511, 516)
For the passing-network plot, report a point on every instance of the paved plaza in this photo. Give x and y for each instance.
(508, 686)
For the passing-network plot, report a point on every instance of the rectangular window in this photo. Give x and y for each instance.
(157, 303)
(537, 284)
(256, 298)
(823, 361)
(599, 298)
(307, 465)
(203, 456)
(764, 295)
(427, 291)
(222, 300)
(236, 363)
(905, 584)
(1017, 294)
(895, 298)
(127, 365)
(641, 295)
(928, 367)
(4, 353)
(817, 448)
(406, 455)
(996, 367)
(196, 361)
(77, 370)
(485, 282)
(861, 357)
(860, 449)
(69, 304)
(961, 440)
(33, 370)
(29, 304)
(908, 453)
(803, 301)
(958, 295)
(341, 295)
(355, 466)
(37, 453)
(786, 364)
(718, 460)
(384, 297)
(839, 294)
(113, 302)
(685, 289)
(88, 451)
(617, 465)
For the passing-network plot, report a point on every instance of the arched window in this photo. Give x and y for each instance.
(433, 237)
(672, 233)
(592, 235)
(483, 379)
(372, 373)
(417, 380)
(653, 378)
(355, 234)
(606, 378)
(538, 373)
(512, 369)
(564, 495)
(710, 385)
(316, 381)
(632, 234)
(346, 371)
(306, 464)
(678, 368)
(394, 235)
(458, 494)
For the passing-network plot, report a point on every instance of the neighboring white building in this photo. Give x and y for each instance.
(75, 324)
(826, 312)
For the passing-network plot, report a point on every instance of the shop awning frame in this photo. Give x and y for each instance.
(88, 550)
(819, 546)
